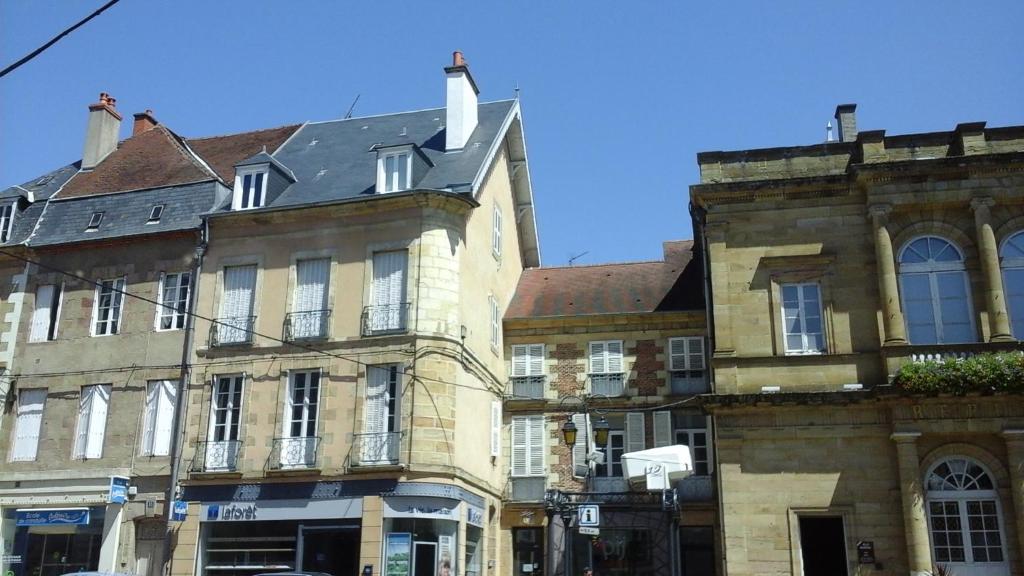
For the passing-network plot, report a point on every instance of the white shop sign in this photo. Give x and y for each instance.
(422, 507)
(281, 510)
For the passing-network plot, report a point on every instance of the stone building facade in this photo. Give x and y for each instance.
(832, 268)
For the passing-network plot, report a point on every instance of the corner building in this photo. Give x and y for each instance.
(835, 268)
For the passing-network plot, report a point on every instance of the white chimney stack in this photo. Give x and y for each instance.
(102, 131)
(460, 104)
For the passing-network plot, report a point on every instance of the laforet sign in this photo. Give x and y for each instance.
(956, 410)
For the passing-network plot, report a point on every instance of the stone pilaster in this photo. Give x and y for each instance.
(1015, 460)
(888, 290)
(988, 252)
(915, 524)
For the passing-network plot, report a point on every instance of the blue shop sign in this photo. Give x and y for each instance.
(52, 516)
(118, 490)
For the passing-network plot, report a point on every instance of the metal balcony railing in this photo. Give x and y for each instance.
(216, 456)
(377, 449)
(524, 387)
(527, 488)
(688, 382)
(385, 319)
(607, 384)
(232, 330)
(294, 453)
(306, 325)
(695, 489)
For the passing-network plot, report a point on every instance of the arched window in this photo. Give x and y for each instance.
(964, 518)
(1012, 258)
(936, 299)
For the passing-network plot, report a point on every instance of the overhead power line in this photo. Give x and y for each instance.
(55, 39)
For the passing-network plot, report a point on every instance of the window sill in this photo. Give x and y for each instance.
(284, 472)
(806, 353)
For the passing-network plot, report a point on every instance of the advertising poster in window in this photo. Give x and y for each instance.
(398, 553)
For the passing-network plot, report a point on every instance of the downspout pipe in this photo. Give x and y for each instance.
(177, 423)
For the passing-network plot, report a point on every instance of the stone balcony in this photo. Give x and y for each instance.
(897, 356)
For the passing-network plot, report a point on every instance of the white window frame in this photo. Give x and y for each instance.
(156, 415)
(94, 222)
(689, 432)
(609, 457)
(533, 429)
(155, 214)
(116, 294)
(1013, 264)
(805, 348)
(387, 183)
(309, 405)
(6, 220)
(87, 418)
(495, 322)
(496, 232)
(496, 425)
(237, 382)
(174, 315)
(20, 438)
(606, 356)
(961, 498)
(53, 318)
(931, 269)
(240, 174)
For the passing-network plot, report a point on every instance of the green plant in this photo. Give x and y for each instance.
(1000, 372)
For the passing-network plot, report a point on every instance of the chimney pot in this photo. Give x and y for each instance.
(144, 122)
(457, 59)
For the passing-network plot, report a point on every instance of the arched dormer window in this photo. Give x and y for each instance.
(964, 518)
(935, 293)
(1012, 262)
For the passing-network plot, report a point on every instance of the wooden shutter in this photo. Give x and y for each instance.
(149, 427)
(239, 287)
(537, 446)
(677, 353)
(311, 280)
(98, 420)
(635, 431)
(597, 358)
(389, 277)
(167, 393)
(520, 360)
(686, 353)
(84, 412)
(662, 429)
(614, 361)
(584, 440)
(496, 236)
(42, 313)
(31, 402)
(536, 360)
(520, 446)
(375, 418)
(496, 428)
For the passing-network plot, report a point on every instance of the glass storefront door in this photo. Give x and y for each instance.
(330, 549)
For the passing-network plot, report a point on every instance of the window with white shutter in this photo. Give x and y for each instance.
(236, 321)
(92, 421)
(662, 429)
(528, 370)
(495, 322)
(583, 446)
(381, 429)
(6, 217)
(606, 368)
(635, 431)
(31, 402)
(528, 447)
(686, 365)
(496, 428)
(388, 309)
(107, 308)
(159, 417)
(173, 301)
(496, 234)
(46, 313)
(309, 317)
(250, 188)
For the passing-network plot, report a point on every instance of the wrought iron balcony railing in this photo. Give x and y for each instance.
(524, 387)
(307, 325)
(377, 449)
(294, 453)
(526, 488)
(695, 489)
(216, 456)
(385, 319)
(607, 384)
(232, 331)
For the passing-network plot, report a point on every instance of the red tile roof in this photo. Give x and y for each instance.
(672, 284)
(223, 152)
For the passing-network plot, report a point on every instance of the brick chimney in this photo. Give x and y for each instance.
(460, 104)
(102, 132)
(846, 121)
(144, 122)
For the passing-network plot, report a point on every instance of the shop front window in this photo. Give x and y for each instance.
(529, 551)
(249, 548)
(431, 550)
(616, 552)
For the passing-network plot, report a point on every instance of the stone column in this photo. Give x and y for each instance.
(888, 291)
(915, 524)
(1015, 461)
(988, 252)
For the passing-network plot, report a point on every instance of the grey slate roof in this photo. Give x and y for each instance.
(264, 158)
(44, 186)
(338, 159)
(125, 214)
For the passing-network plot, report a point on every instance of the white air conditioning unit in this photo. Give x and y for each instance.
(657, 468)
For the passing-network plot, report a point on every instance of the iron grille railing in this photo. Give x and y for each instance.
(689, 382)
(695, 489)
(607, 384)
(527, 387)
(295, 452)
(232, 330)
(376, 449)
(306, 325)
(385, 319)
(216, 456)
(527, 488)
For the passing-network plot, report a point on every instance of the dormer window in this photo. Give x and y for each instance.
(155, 214)
(94, 221)
(6, 217)
(394, 171)
(250, 189)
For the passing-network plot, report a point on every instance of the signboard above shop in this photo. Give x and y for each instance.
(52, 516)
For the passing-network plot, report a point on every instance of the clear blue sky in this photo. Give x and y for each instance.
(618, 97)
